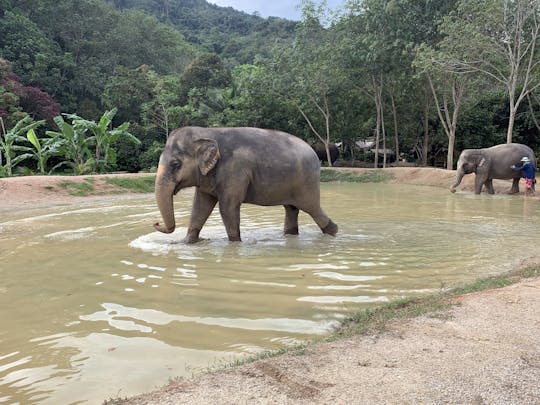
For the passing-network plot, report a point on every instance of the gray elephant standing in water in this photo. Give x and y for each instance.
(234, 166)
(492, 163)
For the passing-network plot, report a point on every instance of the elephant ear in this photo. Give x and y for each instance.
(207, 153)
(482, 161)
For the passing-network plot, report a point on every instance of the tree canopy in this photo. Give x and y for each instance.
(418, 81)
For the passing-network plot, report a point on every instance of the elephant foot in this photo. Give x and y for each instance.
(452, 190)
(192, 236)
(331, 228)
(291, 231)
(189, 240)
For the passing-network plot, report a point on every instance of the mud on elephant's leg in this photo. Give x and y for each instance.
(291, 220)
(203, 205)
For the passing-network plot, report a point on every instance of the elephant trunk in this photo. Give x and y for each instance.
(459, 177)
(164, 198)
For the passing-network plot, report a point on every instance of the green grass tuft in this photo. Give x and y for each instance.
(78, 189)
(370, 176)
(135, 185)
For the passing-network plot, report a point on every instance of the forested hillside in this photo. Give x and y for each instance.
(101, 83)
(236, 36)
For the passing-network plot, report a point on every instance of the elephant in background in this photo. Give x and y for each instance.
(234, 166)
(492, 163)
(320, 150)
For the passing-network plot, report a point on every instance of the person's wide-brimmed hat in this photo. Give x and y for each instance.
(525, 159)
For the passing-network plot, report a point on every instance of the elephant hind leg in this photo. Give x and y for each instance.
(515, 186)
(326, 224)
(291, 220)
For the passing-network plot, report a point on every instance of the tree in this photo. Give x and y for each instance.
(306, 75)
(498, 38)
(448, 90)
(10, 138)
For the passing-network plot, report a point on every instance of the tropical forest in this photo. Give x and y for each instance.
(96, 86)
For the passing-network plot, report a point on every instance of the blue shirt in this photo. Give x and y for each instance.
(528, 170)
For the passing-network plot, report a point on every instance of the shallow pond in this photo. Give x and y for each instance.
(94, 304)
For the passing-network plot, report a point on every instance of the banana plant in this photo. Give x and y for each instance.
(11, 142)
(43, 149)
(72, 143)
(103, 137)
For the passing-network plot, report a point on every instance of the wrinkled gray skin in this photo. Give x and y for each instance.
(492, 163)
(234, 166)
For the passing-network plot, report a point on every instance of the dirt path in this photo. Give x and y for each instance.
(484, 351)
(44, 191)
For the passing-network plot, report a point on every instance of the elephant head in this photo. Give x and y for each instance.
(183, 163)
(470, 161)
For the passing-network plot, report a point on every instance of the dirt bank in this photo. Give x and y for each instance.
(486, 350)
(45, 191)
(39, 191)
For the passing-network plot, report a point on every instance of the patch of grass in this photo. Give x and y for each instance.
(375, 320)
(369, 176)
(78, 189)
(135, 185)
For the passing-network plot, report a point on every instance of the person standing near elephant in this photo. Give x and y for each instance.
(528, 172)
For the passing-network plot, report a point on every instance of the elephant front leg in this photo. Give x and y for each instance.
(489, 186)
(203, 205)
(230, 213)
(478, 184)
(291, 220)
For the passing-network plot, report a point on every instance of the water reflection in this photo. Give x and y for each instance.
(91, 292)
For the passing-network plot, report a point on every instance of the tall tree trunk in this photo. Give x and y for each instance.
(394, 115)
(511, 120)
(449, 122)
(325, 111)
(377, 97)
(383, 130)
(425, 140)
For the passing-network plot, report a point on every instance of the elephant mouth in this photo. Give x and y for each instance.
(177, 189)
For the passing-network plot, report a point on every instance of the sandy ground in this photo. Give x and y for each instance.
(18, 193)
(42, 191)
(486, 350)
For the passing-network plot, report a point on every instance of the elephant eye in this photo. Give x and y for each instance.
(176, 164)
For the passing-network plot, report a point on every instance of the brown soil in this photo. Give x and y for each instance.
(45, 191)
(485, 350)
(38, 191)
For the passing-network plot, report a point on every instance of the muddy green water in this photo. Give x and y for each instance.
(94, 304)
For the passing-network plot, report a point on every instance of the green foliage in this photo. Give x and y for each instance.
(43, 149)
(73, 145)
(136, 185)
(370, 176)
(10, 143)
(102, 137)
(332, 76)
(78, 189)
